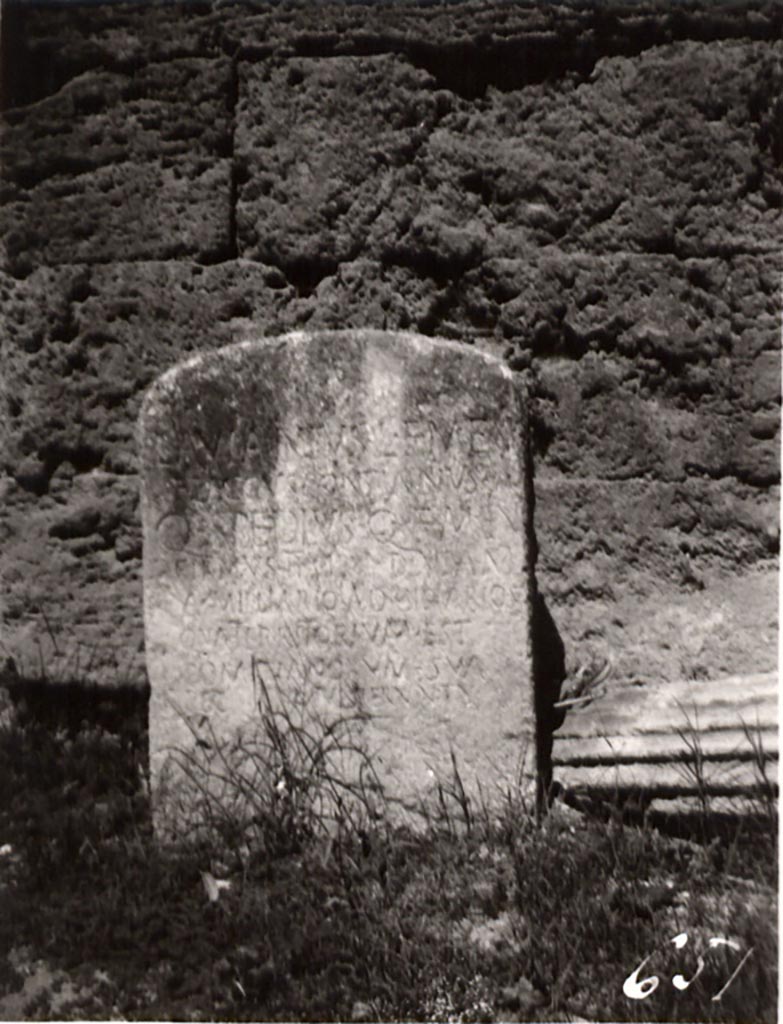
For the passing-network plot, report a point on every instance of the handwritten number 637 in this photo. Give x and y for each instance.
(633, 988)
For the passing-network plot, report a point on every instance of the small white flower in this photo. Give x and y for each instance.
(6, 850)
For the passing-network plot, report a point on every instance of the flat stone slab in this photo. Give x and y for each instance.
(337, 529)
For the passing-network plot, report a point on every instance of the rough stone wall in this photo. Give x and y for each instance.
(592, 192)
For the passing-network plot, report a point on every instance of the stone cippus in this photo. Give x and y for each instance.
(344, 518)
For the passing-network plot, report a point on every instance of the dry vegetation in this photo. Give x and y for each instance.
(273, 915)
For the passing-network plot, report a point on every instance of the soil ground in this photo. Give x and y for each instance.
(475, 918)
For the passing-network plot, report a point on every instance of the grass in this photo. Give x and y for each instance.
(703, 774)
(273, 787)
(333, 913)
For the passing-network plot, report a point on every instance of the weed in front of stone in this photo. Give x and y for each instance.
(477, 917)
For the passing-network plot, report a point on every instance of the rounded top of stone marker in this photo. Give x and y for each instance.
(400, 340)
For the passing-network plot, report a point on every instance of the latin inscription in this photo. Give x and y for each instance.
(373, 564)
(277, 584)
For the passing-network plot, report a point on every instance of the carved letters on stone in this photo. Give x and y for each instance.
(342, 518)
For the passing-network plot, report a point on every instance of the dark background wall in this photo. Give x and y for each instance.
(591, 191)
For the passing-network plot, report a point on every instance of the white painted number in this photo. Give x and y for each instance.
(679, 981)
(635, 989)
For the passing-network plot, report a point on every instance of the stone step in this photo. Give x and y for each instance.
(673, 740)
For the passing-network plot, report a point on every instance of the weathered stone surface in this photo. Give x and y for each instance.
(47, 47)
(130, 144)
(80, 344)
(691, 622)
(690, 738)
(592, 192)
(100, 118)
(340, 521)
(177, 211)
(311, 203)
(649, 170)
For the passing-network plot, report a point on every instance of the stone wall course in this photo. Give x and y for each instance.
(594, 196)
